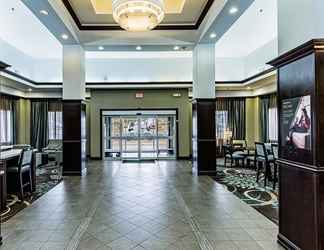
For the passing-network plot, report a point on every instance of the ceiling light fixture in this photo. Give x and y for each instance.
(138, 48)
(101, 48)
(233, 10)
(65, 36)
(138, 15)
(30, 90)
(176, 47)
(212, 35)
(44, 12)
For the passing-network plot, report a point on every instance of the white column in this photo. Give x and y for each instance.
(204, 71)
(298, 22)
(73, 72)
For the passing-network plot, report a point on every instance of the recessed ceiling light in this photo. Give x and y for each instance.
(138, 48)
(65, 36)
(30, 90)
(44, 12)
(212, 35)
(176, 47)
(233, 10)
(101, 48)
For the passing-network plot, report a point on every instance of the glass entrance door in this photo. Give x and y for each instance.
(130, 138)
(140, 136)
(148, 137)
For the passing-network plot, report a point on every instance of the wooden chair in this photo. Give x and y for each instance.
(275, 165)
(263, 160)
(18, 172)
(232, 156)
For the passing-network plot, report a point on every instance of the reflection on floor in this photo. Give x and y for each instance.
(47, 177)
(242, 183)
(139, 206)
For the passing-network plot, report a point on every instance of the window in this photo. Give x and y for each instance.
(55, 125)
(221, 123)
(273, 124)
(6, 127)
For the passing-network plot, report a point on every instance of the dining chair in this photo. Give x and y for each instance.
(232, 156)
(275, 165)
(18, 172)
(263, 160)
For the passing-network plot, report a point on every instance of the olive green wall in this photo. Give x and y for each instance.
(23, 133)
(154, 99)
(252, 110)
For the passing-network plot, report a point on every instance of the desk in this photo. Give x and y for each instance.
(2, 178)
(6, 156)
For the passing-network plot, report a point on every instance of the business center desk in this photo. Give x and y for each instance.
(6, 157)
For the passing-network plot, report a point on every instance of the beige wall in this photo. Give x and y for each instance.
(252, 120)
(23, 133)
(125, 99)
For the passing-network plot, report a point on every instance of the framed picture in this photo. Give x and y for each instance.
(296, 128)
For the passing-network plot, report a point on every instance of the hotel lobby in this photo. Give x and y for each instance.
(161, 124)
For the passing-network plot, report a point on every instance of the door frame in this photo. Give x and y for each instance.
(139, 110)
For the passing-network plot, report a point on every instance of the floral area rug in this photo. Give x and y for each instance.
(242, 183)
(47, 177)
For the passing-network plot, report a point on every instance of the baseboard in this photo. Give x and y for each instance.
(287, 244)
(72, 173)
(208, 173)
(95, 158)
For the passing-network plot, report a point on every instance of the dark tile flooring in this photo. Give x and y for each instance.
(139, 206)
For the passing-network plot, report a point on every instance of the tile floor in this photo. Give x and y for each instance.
(139, 206)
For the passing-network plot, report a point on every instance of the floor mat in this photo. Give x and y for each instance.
(242, 183)
(47, 177)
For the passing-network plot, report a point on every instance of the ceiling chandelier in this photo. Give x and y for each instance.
(138, 15)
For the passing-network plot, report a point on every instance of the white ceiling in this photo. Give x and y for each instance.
(21, 29)
(251, 31)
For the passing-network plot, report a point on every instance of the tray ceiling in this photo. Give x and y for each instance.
(98, 13)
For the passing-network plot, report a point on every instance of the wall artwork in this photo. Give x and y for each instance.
(296, 125)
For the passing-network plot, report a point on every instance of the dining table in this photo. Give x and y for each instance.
(6, 157)
(2, 173)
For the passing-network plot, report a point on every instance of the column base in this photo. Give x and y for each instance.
(285, 243)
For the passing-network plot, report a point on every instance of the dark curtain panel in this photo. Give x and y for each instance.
(39, 124)
(15, 112)
(55, 106)
(264, 118)
(235, 108)
(267, 102)
(273, 101)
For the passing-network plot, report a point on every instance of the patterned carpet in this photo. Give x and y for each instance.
(47, 177)
(242, 183)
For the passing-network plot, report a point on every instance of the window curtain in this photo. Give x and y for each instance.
(9, 103)
(39, 124)
(266, 102)
(55, 106)
(235, 108)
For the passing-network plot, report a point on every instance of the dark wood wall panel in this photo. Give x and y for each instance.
(296, 200)
(204, 136)
(301, 193)
(74, 142)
